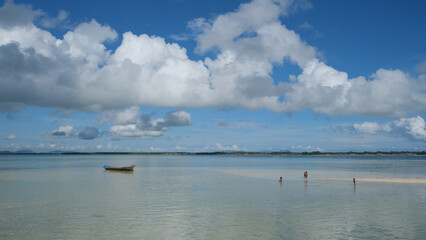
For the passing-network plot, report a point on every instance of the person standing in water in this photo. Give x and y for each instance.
(305, 174)
(281, 180)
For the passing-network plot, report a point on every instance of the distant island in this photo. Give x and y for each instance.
(29, 152)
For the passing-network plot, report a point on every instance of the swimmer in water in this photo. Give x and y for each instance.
(281, 179)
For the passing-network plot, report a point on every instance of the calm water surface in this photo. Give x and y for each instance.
(205, 197)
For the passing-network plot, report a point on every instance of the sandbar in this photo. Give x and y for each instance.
(297, 175)
(389, 180)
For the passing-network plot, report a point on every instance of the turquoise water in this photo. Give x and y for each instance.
(210, 197)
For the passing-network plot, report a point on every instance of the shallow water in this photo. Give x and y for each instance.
(210, 197)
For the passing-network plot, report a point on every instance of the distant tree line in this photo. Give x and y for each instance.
(225, 153)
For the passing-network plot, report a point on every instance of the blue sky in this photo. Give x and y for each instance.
(182, 75)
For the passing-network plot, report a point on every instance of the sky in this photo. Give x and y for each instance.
(203, 76)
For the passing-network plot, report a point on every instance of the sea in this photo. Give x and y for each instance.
(211, 197)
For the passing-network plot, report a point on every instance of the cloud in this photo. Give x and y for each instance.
(371, 127)
(179, 148)
(13, 15)
(77, 72)
(43, 146)
(180, 37)
(326, 90)
(68, 131)
(133, 130)
(89, 133)
(233, 147)
(11, 137)
(241, 125)
(177, 119)
(62, 132)
(112, 147)
(155, 149)
(301, 148)
(222, 123)
(59, 20)
(127, 116)
(129, 123)
(421, 67)
(413, 128)
(300, 5)
(199, 25)
(305, 25)
(248, 125)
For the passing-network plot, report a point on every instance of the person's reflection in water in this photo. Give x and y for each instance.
(305, 184)
(305, 175)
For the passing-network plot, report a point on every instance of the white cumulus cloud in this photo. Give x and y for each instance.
(77, 71)
(413, 128)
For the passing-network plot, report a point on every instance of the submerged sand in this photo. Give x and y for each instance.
(297, 175)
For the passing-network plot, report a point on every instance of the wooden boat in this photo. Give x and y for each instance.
(129, 168)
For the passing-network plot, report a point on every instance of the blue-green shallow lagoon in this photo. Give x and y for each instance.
(207, 197)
